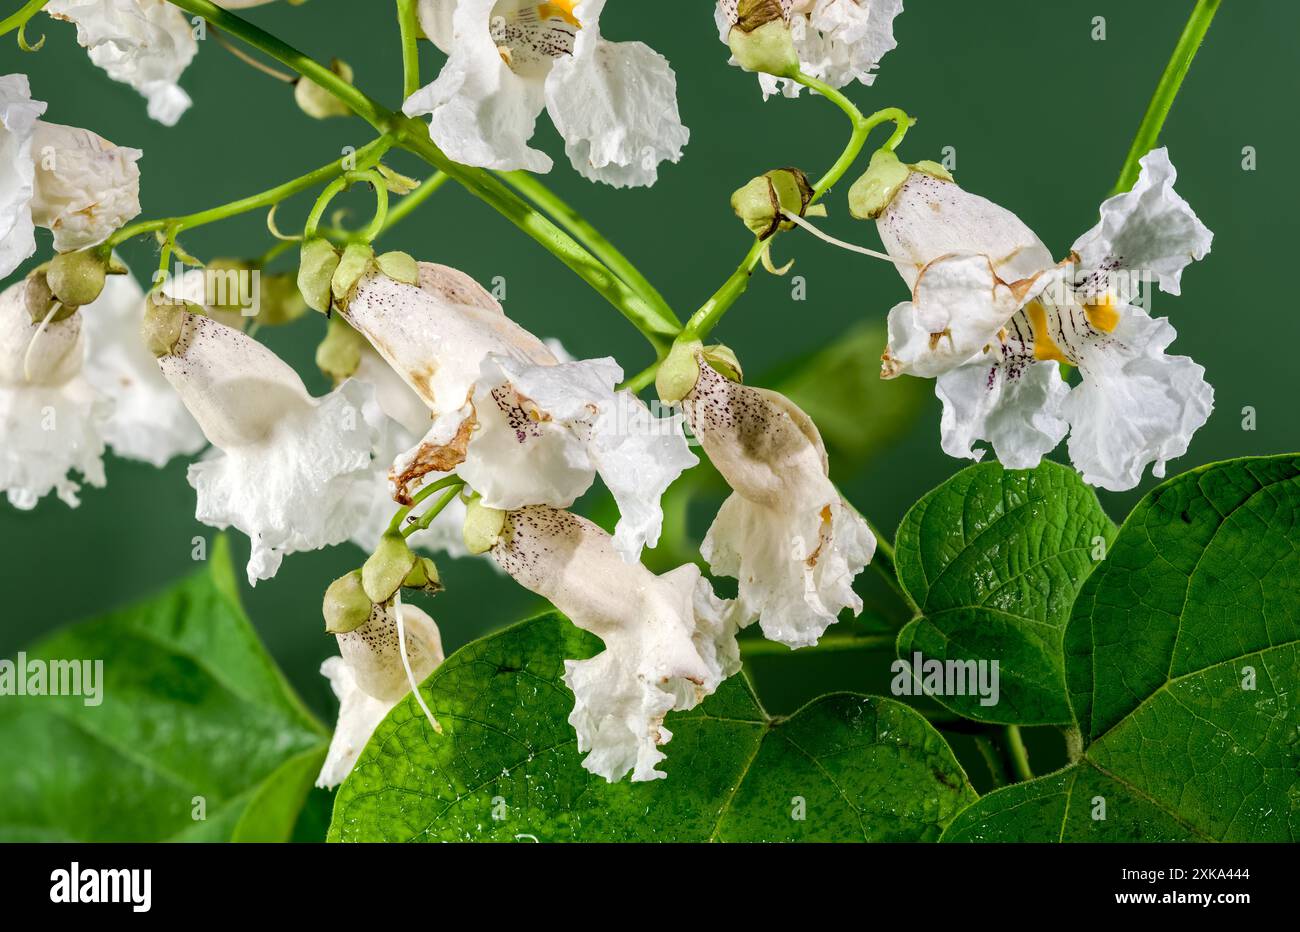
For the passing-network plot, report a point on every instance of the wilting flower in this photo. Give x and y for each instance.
(614, 103)
(51, 418)
(669, 641)
(285, 464)
(67, 180)
(993, 318)
(519, 426)
(836, 41)
(144, 43)
(148, 421)
(785, 533)
(369, 680)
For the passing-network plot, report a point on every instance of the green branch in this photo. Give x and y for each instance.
(19, 19)
(1163, 99)
(759, 647)
(408, 23)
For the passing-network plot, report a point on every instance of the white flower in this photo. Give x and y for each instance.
(369, 680)
(785, 533)
(614, 103)
(520, 427)
(993, 319)
(837, 41)
(144, 43)
(51, 419)
(149, 422)
(286, 465)
(67, 180)
(669, 642)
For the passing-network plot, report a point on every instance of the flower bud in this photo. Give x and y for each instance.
(483, 526)
(759, 204)
(317, 102)
(346, 606)
(77, 278)
(316, 266)
(383, 573)
(761, 39)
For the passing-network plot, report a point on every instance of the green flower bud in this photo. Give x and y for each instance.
(346, 606)
(483, 526)
(399, 266)
(354, 263)
(760, 202)
(317, 102)
(162, 325)
(77, 278)
(871, 194)
(761, 39)
(423, 576)
(679, 372)
(388, 566)
(339, 354)
(316, 266)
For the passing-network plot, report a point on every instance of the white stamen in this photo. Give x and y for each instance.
(27, 356)
(406, 661)
(851, 247)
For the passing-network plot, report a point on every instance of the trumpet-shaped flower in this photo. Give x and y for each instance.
(669, 641)
(70, 181)
(614, 103)
(837, 41)
(994, 319)
(285, 464)
(785, 533)
(369, 679)
(51, 419)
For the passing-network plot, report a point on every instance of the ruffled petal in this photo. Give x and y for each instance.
(1134, 404)
(1148, 229)
(149, 421)
(615, 104)
(480, 112)
(18, 113)
(144, 43)
(86, 187)
(669, 642)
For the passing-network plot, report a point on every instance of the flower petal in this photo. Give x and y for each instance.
(18, 113)
(86, 187)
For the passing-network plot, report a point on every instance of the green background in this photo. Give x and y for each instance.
(1040, 116)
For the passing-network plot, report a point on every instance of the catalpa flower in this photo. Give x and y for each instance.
(521, 427)
(614, 103)
(669, 641)
(285, 464)
(837, 41)
(993, 319)
(51, 418)
(69, 181)
(785, 533)
(369, 679)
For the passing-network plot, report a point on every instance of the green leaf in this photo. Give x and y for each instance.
(1183, 660)
(507, 766)
(993, 558)
(192, 706)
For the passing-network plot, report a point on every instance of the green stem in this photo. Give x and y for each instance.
(706, 318)
(433, 511)
(413, 136)
(446, 482)
(760, 647)
(410, 202)
(337, 186)
(1019, 756)
(364, 157)
(568, 218)
(409, 26)
(992, 760)
(1163, 99)
(19, 19)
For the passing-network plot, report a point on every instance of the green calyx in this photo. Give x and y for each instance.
(761, 202)
(346, 606)
(873, 192)
(423, 577)
(723, 359)
(761, 39)
(77, 278)
(339, 354)
(319, 103)
(317, 263)
(162, 325)
(399, 266)
(388, 567)
(483, 526)
(353, 265)
(679, 372)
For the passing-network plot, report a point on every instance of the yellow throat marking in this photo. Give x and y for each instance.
(559, 9)
(1045, 347)
(1102, 315)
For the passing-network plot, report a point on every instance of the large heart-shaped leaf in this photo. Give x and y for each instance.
(1183, 663)
(197, 735)
(845, 767)
(993, 558)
